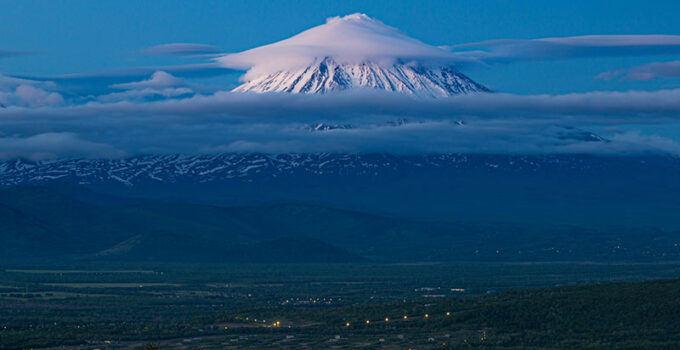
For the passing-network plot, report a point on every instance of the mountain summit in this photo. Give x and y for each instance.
(354, 51)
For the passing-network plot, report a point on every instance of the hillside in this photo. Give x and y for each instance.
(47, 223)
(65, 222)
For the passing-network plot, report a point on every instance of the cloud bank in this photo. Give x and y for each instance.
(276, 123)
(49, 145)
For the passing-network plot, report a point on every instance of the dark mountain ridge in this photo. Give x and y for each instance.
(571, 189)
(66, 222)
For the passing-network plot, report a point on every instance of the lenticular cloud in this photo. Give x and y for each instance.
(350, 39)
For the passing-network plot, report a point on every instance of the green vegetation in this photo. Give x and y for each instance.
(108, 285)
(309, 306)
(77, 271)
(84, 270)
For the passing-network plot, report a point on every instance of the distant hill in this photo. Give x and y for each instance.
(61, 221)
(562, 189)
(46, 223)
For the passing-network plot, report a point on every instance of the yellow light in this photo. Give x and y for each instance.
(386, 319)
(405, 317)
(448, 313)
(367, 321)
(347, 324)
(426, 315)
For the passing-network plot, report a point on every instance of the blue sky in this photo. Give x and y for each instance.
(77, 79)
(90, 36)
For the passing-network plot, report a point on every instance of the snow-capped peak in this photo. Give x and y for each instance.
(348, 52)
(325, 75)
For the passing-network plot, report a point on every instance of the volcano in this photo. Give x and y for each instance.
(351, 52)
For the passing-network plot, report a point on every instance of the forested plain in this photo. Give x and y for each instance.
(466, 305)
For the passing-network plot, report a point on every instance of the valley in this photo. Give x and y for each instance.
(291, 306)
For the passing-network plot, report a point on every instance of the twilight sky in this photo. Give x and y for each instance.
(90, 36)
(116, 78)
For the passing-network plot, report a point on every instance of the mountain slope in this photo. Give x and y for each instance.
(550, 188)
(36, 224)
(353, 51)
(42, 223)
(327, 75)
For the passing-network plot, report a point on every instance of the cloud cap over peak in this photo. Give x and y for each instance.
(349, 39)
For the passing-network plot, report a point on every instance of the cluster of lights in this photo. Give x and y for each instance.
(347, 324)
(405, 318)
(312, 300)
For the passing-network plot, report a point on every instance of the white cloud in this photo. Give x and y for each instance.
(28, 93)
(30, 96)
(36, 97)
(52, 146)
(348, 39)
(512, 50)
(494, 123)
(603, 108)
(161, 85)
(159, 80)
(8, 84)
(645, 72)
(146, 94)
